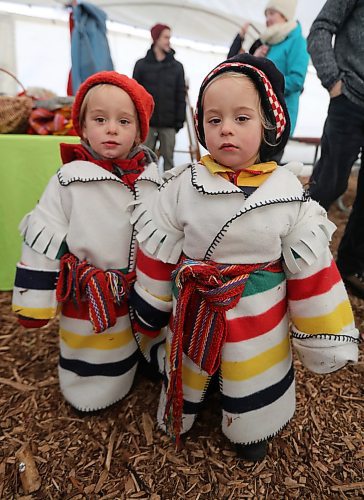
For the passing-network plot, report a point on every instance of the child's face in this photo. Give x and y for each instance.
(111, 124)
(232, 122)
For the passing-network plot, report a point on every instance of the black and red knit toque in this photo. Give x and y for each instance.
(142, 100)
(269, 82)
(157, 29)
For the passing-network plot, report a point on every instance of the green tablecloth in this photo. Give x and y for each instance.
(26, 164)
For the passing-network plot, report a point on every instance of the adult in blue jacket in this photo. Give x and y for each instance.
(283, 43)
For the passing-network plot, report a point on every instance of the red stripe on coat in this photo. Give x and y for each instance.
(137, 327)
(317, 284)
(249, 327)
(153, 268)
(70, 310)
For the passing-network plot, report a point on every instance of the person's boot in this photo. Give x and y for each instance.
(252, 452)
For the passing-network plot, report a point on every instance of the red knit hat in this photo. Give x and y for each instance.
(157, 30)
(142, 100)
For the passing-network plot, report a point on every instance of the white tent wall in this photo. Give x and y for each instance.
(41, 57)
(43, 54)
(38, 51)
(7, 54)
(210, 21)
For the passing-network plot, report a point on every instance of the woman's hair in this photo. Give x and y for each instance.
(266, 123)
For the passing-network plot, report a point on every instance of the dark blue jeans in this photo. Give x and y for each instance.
(342, 140)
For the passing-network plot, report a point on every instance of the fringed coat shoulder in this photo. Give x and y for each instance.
(84, 211)
(205, 217)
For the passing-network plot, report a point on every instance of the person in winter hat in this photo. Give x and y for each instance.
(79, 247)
(141, 100)
(251, 267)
(287, 8)
(282, 42)
(270, 85)
(157, 30)
(163, 77)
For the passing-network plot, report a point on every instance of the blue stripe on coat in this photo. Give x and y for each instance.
(189, 408)
(84, 369)
(35, 279)
(249, 403)
(259, 399)
(155, 318)
(154, 354)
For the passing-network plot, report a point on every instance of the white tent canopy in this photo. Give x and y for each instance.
(209, 21)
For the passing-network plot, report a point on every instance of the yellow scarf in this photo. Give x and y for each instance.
(252, 176)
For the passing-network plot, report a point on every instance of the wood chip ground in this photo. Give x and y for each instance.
(120, 454)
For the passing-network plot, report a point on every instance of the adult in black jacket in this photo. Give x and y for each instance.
(163, 77)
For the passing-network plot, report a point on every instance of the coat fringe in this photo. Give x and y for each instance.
(307, 242)
(42, 238)
(165, 246)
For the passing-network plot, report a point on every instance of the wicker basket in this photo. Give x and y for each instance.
(14, 111)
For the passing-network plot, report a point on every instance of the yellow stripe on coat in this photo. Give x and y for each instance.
(36, 313)
(331, 323)
(192, 379)
(165, 298)
(243, 370)
(100, 341)
(143, 341)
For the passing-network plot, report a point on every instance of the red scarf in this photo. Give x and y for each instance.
(130, 169)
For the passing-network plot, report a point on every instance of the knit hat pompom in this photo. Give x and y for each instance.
(285, 7)
(142, 100)
(269, 82)
(157, 29)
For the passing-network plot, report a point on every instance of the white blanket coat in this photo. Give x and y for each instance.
(84, 207)
(205, 217)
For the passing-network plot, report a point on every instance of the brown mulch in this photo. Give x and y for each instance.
(120, 454)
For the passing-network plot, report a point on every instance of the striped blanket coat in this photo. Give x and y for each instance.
(84, 209)
(205, 217)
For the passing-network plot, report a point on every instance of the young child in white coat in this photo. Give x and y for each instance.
(251, 267)
(79, 246)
